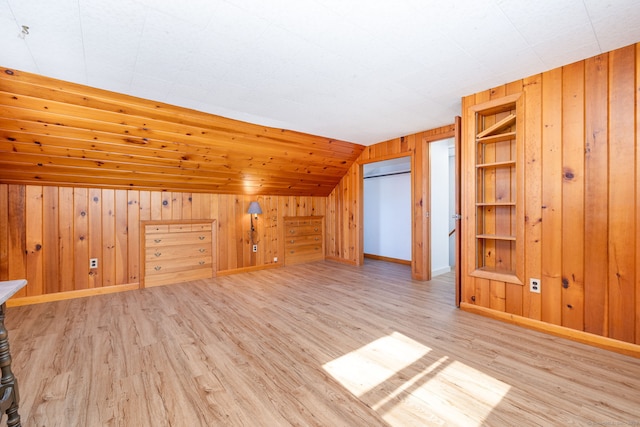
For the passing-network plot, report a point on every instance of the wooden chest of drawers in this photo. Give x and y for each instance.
(174, 252)
(303, 239)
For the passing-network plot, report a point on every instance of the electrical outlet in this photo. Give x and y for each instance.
(93, 263)
(534, 285)
(255, 248)
(275, 259)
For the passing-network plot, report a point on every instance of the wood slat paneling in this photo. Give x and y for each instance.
(551, 195)
(58, 133)
(622, 204)
(48, 234)
(580, 199)
(573, 196)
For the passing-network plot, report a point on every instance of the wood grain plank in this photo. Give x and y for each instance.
(81, 238)
(109, 238)
(531, 302)
(34, 237)
(573, 237)
(187, 206)
(552, 196)
(468, 192)
(145, 205)
(95, 236)
(637, 141)
(66, 219)
(133, 236)
(156, 205)
(622, 203)
(50, 243)
(17, 234)
(122, 238)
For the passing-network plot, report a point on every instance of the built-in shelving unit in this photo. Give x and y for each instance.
(497, 209)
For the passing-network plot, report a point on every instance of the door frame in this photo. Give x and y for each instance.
(456, 134)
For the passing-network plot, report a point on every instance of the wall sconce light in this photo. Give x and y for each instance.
(254, 210)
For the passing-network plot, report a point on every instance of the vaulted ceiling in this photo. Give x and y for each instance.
(58, 133)
(362, 71)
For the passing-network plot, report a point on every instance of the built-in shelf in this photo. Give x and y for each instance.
(496, 138)
(496, 188)
(495, 237)
(495, 164)
(496, 274)
(496, 204)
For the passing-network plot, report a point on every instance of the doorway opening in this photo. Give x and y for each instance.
(387, 210)
(442, 193)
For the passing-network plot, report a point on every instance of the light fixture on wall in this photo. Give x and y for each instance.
(254, 210)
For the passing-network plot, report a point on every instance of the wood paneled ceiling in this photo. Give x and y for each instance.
(59, 133)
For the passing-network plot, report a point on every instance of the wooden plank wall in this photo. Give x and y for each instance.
(582, 212)
(48, 233)
(344, 204)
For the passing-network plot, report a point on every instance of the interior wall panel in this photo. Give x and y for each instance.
(580, 198)
(48, 233)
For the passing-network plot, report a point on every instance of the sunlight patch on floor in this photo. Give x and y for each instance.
(371, 365)
(406, 385)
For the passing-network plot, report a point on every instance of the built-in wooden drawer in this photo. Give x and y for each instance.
(294, 241)
(302, 230)
(172, 239)
(163, 266)
(156, 228)
(175, 252)
(303, 239)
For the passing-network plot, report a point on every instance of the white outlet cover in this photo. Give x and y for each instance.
(534, 285)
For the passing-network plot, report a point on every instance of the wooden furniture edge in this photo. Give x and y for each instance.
(175, 221)
(605, 343)
(80, 293)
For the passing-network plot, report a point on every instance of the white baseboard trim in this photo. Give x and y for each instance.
(440, 271)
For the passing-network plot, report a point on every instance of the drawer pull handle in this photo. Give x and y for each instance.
(201, 263)
(292, 252)
(292, 231)
(315, 229)
(317, 238)
(292, 241)
(158, 253)
(157, 240)
(157, 268)
(202, 250)
(201, 237)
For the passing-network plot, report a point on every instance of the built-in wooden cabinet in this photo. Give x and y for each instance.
(175, 251)
(303, 239)
(497, 232)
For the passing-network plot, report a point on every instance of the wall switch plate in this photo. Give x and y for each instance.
(255, 248)
(93, 263)
(534, 285)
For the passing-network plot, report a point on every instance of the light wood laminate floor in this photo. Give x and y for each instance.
(320, 344)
